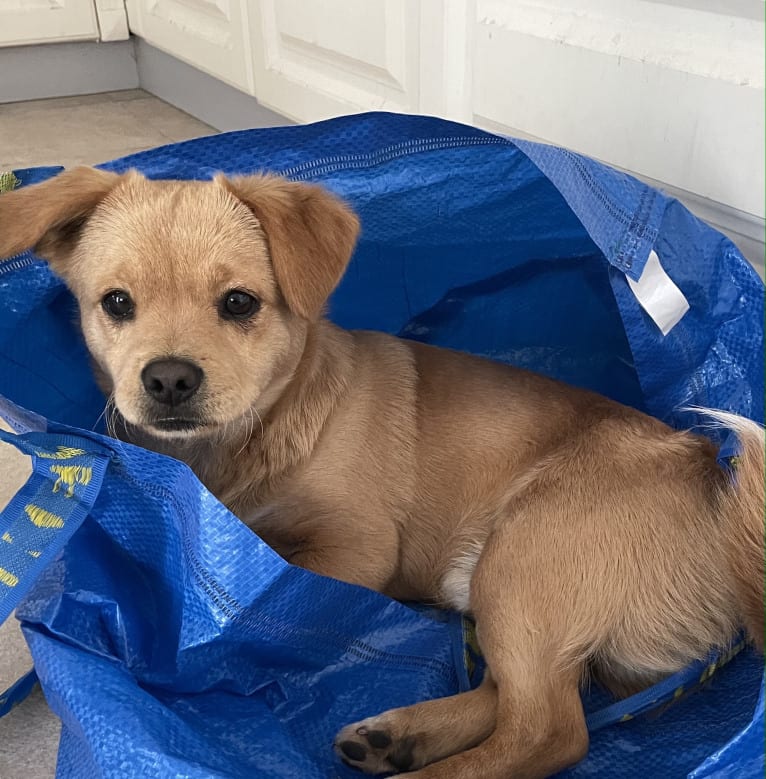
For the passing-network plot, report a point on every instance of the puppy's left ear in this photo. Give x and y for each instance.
(311, 235)
(47, 217)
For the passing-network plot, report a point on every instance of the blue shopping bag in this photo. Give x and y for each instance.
(172, 642)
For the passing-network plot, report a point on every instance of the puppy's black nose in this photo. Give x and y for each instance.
(171, 382)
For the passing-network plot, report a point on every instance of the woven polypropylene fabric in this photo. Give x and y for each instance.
(172, 642)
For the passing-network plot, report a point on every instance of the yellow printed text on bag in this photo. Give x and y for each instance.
(43, 518)
(69, 476)
(61, 453)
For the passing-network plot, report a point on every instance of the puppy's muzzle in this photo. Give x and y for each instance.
(171, 382)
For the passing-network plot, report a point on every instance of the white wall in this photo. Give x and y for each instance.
(670, 90)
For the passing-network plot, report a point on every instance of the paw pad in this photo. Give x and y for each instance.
(374, 750)
(353, 751)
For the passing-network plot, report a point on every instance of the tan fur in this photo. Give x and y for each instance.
(583, 536)
(27, 220)
(293, 218)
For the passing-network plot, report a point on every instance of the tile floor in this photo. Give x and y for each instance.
(64, 131)
(89, 129)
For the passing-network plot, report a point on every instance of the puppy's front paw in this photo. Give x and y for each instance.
(372, 747)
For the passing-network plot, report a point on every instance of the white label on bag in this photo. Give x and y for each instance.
(659, 296)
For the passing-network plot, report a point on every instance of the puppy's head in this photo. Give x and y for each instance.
(195, 297)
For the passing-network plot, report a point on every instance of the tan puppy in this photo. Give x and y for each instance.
(582, 535)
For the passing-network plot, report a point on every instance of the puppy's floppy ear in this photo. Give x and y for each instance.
(47, 217)
(310, 233)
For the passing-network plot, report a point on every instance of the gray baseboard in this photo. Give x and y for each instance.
(64, 69)
(84, 68)
(204, 97)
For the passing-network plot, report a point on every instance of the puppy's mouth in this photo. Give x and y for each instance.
(177, 424)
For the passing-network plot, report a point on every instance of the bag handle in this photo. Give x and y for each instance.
(18, 691)
(43, 515)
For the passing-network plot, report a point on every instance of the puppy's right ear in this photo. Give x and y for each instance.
(47, 217)
(311, 235)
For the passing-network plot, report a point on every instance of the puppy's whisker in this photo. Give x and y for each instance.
(245, 437)
(111, 422)
(223, 434)
(250, 428)
(254, 410)
(109, 415)
(102, 415)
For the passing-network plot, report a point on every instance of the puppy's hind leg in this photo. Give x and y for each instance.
(523, 621)
(529, 717)
(413, 736)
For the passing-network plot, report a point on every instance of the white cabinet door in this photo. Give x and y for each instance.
(670, 90)
(208, 34)
(112, 20)
(25, 22)
(313, 60)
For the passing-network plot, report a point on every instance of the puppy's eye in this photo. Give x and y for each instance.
(237, 304)
(118, 304)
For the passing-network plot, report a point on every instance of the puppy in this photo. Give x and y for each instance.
(583, 536)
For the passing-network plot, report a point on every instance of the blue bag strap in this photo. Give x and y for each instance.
(665, 692)
(43, 515)
(16, 693)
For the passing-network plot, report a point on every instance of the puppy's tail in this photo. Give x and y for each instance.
(742, 509)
